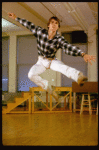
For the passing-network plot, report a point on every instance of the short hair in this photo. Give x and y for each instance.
(55, 18)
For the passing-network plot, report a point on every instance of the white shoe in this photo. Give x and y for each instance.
(50, 90)
(45, 85)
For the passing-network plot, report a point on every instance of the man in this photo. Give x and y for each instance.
(48, 42)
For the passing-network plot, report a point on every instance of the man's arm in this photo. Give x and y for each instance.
(29, 25)
(75, 51)
(68, 48)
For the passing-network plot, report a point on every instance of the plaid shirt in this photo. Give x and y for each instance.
(46, 47)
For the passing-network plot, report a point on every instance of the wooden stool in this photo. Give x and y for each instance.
(97, 109)
(85, 102)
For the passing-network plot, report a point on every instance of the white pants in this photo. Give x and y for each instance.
(56, 65)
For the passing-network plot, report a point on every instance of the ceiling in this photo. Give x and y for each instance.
(64, 11)
(82, 14)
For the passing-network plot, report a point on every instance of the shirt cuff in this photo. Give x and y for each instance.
(16, 18)
(83, 54)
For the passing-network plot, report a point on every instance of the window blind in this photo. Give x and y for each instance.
(27, 56)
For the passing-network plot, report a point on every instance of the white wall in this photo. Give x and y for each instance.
(12, 64)
(92, 50)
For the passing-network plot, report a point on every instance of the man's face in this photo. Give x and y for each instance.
(53, 26)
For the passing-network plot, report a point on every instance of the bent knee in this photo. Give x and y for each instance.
(30, 76)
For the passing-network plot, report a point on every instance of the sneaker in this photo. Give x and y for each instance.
(46, 85)
(50, 91)
(81, 79)
(58, 96)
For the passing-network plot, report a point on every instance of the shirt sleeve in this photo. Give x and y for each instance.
(68, 48)
(29, 25)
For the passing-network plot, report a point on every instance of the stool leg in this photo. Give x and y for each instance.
(97, 109)
(81, 109)
(90, 111)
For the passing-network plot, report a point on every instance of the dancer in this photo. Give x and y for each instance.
(48, 43)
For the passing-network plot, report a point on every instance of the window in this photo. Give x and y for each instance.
(27, 56)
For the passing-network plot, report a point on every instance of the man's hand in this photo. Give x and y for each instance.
(88, 58)
(12, 16)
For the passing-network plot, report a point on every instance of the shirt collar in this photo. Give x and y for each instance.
(56, 35)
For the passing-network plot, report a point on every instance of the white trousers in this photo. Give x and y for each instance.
(56, 65)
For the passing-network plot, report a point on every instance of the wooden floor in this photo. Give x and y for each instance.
(58, 129)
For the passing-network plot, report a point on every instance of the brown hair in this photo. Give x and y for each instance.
(55, 18)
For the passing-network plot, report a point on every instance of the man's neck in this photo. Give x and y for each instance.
(51, 34)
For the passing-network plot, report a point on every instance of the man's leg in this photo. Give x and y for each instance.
(33, 75)
(70, 72)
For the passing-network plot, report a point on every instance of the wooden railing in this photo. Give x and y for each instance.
(52, 108)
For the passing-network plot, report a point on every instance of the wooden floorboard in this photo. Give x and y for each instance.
(46, 129)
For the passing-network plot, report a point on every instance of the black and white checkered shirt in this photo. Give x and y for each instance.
(46, 47)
